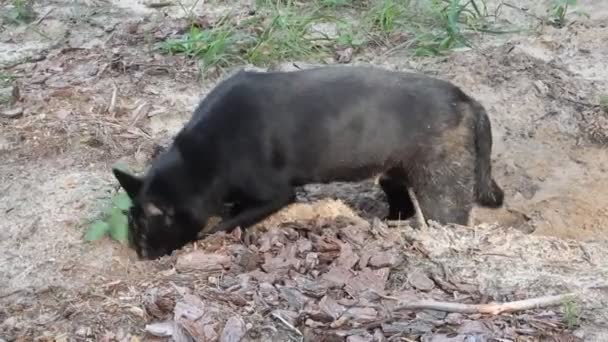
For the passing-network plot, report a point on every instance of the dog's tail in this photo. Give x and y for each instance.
(488, 193)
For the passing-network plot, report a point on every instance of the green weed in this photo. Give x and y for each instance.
(388, 15)
(21, 12)
(449, 17)
(571, 313)
(114, 221)
(6, 79)
(558, 11)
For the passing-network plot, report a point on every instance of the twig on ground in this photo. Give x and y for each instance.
(43, 17)
(158, 4)
(291, 327)
(522, 10)
(405, 45)
(492, 309)
(112, 106)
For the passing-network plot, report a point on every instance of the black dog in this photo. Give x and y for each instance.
(258, 135)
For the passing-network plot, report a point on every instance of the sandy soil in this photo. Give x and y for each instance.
(541, 92)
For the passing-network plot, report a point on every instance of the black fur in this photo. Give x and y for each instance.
(256, 136)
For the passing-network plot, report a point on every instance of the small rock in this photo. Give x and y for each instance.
(337, 276)
(347, 258)
(384, 259)
(157, 3)
(430, 315)
(420, 281)
(84, 332)
(363, 337)
(379, 336)
(13, 113)
(415, 328)
(324, 30)
(304, 246)
(294, 298)
(474, 327)
(344, 56)
(367, 279)
(9, 94)
(248, 259)
(361, 315)
(234, 330)
(163, 329)
(313, 324)
(311, 261)
(444, 338)
(330, 307)
(314, 289)
(454, 318)
(541, 87)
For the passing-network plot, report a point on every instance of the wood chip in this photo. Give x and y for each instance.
(330, 307)
(384, 259)
(420, 281)
(234, 330)
(418, 328)
(367, 279)
(201, 261)
(347, 258)
(163, 329)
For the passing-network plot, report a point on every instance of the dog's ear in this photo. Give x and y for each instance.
(132, 184)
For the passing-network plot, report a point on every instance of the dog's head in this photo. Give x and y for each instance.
(158, 223)
(169, 206)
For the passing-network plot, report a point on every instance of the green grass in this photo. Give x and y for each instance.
(280, 30)
(211, 46)
(388, 15)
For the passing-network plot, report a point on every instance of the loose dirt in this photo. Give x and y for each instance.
(311, 266)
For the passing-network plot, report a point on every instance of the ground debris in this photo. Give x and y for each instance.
(234, 330)
(343, 295)
(202, 262)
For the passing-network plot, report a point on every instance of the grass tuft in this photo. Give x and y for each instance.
(282, 30)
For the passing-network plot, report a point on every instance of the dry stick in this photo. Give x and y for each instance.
(492, 309)
(112, 106)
